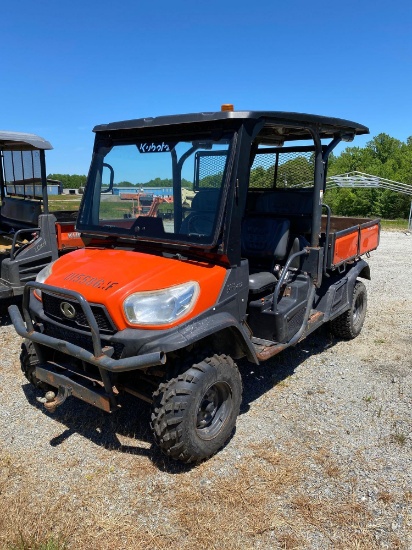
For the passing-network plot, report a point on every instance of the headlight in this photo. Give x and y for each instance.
(42, 275)
(160, 307)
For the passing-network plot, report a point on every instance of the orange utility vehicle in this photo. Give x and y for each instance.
(145, 204)
(33, 236)
(162, 308)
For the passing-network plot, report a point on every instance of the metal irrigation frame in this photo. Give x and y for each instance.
(359, 179)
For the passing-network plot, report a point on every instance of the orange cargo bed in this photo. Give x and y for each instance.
(350, 238)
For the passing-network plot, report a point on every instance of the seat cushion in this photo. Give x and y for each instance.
(258, 282)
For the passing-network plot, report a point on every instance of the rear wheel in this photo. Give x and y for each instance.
(349, 324)
(194, 414)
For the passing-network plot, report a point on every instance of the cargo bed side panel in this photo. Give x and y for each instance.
(357, 238)
(345, 245)
(369, 237)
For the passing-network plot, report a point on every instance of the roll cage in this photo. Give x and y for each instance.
(255, 133)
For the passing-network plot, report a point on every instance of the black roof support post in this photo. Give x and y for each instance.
(177, 192)
(318, 189)
(2, 182)
(336, 140)
(44, 181)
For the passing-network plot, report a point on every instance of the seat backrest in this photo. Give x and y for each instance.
(294, 204)
(203, 211)
(265, 240)
(286, 201)
(24, 211)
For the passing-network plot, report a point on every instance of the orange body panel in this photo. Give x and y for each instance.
(369, 238)
(67, 237)
(346, 247)
(107, 277)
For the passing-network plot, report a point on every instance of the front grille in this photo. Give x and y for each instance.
(81, 340)
(52, 308)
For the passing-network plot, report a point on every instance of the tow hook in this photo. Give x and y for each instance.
(51, 401)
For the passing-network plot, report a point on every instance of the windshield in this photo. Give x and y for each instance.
(168, 190)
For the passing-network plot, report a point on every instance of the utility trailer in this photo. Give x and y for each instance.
(32, 236)
(162, 308)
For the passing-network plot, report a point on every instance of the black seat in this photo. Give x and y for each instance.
(202, 217)
(264, 243)
(291, 205)
(294, 204)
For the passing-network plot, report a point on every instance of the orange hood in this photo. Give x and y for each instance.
(108, 276)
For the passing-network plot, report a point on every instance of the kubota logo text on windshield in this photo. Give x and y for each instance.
(88, 280)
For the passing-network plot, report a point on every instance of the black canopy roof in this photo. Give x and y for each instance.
(277, 124)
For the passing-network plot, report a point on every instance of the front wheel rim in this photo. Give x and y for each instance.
(214, 410)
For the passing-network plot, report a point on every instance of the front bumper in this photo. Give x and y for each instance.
(100, 357)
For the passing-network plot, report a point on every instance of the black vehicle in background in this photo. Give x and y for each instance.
(31, 236)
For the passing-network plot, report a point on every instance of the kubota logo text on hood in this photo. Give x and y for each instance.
(88, 280)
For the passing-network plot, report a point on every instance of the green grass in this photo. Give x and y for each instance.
(64, 202)
(32, 544)
(399, 438)
(398, 224)
(65, 198)
(114, 210)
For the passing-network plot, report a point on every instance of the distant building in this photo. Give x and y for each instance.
(32, 190)
(78, 191)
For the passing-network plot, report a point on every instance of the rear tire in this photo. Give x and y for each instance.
(350, 323)
(195, 413)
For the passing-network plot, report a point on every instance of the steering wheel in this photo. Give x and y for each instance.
(200, 223)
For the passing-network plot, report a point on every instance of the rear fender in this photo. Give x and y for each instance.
(338, 297)
(360, 269)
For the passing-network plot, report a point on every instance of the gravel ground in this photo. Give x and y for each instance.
(321, 457)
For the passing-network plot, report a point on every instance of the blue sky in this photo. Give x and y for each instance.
(67, 66)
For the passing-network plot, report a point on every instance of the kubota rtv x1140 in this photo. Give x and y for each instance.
(163, 307)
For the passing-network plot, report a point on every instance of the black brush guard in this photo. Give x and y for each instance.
(100, 357)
